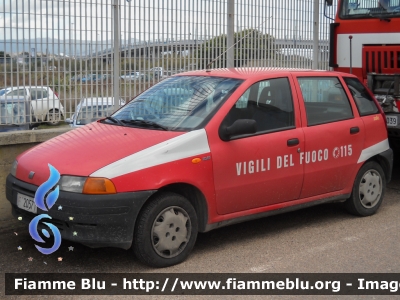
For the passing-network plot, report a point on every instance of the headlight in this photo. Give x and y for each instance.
(14, 168)
(86, 185)
(72, 184)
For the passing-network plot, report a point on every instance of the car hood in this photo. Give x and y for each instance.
(82, 151)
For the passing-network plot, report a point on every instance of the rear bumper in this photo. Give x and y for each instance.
(387, 157)
(98, 220)
(394, 132)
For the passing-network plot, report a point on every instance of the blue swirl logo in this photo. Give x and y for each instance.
(46, 205)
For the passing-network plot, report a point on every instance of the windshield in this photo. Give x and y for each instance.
(89, 114)
(12, 113)
(3, 92)
(178, 103)
(369, 9)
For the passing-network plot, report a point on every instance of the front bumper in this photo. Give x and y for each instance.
(98, 220)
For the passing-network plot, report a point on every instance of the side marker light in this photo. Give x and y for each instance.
(196, 160)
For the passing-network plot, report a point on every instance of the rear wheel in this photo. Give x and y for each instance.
(53, 117)
(165, 231)
(368, 190)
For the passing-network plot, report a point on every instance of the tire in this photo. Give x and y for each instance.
(52, 118)
(165, 231)
(368, 190)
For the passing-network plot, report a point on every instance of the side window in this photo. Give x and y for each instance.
(268, 102)
(13, 93)
(33, 94)
(365, 103)
(325, 100)
(44, 93)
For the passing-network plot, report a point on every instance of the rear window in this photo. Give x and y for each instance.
(37, 94)
(365, 104)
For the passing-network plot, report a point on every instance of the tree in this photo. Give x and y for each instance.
(249, 44)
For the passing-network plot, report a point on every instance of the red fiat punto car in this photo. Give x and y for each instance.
(205, 149)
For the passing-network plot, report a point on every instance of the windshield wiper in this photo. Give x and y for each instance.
(115, 121)
(144, 123)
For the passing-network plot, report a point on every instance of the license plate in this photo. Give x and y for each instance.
(391, 120)
(26, 203)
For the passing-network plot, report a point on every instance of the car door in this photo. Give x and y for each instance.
(46, 101)
(38, 105)
(259, 169)
(333, 136)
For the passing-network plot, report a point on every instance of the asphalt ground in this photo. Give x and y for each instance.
(321, 239)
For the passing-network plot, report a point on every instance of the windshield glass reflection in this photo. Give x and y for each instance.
(178, 103)
(369, 9)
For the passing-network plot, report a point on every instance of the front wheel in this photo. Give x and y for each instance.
(368, 190)
(53, 117)
(165, 231)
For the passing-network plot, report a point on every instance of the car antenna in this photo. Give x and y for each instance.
(251, 31)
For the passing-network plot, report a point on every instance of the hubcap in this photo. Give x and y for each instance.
(370, 189)
(171, 231)
(52, 117)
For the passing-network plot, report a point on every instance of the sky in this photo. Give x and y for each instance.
(150, 20)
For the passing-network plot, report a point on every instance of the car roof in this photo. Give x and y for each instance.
(246, 73)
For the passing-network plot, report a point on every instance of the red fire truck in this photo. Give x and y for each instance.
(365, 41)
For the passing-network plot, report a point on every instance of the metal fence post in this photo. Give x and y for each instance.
(230, 33)
(316, 35)
(116, 54)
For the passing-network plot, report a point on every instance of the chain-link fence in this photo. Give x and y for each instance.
(57, 54)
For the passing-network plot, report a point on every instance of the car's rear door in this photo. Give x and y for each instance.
(334, 135)
(376, 140)
(50, 102)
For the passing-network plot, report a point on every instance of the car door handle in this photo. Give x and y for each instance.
(293, 142)
(354, 130)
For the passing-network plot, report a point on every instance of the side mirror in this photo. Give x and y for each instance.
(239, 127)
(329, 2)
